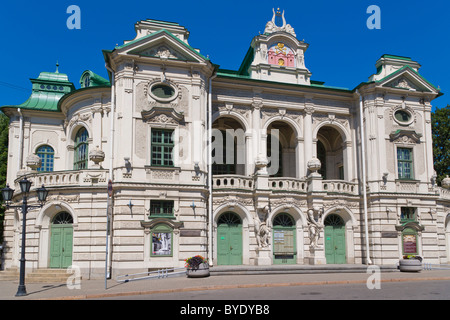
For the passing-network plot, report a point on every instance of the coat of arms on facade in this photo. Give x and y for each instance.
(281, 55)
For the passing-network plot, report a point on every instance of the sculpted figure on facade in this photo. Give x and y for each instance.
(315, 226)
(262, 231)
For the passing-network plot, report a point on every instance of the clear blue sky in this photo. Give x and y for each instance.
(342, 52)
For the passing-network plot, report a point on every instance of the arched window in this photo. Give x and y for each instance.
(81, 150)
(63, 218)
(283, 220)
(47, 154)
(229, 218)
(86, 81)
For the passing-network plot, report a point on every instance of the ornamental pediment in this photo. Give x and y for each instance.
(405, 136)
(163, 45)
(407, 79)
(162, 115)
(402, 83)
(163, 51)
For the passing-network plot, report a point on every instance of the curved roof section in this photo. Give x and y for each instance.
(94, 80)
(47, 89)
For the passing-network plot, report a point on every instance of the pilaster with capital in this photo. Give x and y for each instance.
(308, 142)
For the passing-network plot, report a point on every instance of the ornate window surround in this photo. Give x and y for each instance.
(404, 108)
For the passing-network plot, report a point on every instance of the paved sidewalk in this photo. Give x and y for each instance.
(91, 289)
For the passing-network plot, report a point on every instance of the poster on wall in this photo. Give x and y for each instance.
(283, 241)
(409, 243)
(161, 244)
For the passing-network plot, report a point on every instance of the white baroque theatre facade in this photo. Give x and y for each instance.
(259, 166)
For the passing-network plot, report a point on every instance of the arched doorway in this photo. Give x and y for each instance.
(229, 239)
(330, 152)
(228, 147)
(335, 252)
(280, 149)
(61, 240)
(284, 242)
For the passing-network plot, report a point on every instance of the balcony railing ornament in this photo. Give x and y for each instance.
(314, 165)
(446, 183)
(97, 156)
(261, 164)
(33, 162)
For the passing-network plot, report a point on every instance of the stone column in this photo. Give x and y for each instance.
(308, 142)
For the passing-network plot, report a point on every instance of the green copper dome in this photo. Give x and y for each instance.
(47, 89)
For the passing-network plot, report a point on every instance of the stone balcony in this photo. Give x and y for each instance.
(283, 184)
(68, 178)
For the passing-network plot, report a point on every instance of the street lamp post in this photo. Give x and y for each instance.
(7, 194)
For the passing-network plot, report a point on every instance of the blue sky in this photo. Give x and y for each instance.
(342, 51)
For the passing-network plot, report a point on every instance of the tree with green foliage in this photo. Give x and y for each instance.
(4, 132)
(440, 126)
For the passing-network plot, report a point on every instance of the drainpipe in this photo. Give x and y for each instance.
(108, 259)
(209, 155)
(364, 187)
(20, 158)
(113, 106)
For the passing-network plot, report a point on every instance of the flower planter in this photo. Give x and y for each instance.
(410, 265)
(200, 272)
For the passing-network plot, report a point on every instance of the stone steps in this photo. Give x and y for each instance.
(37, 276)
(9, 274)
(296, 269)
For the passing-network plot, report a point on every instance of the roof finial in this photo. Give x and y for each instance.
(272, 27)
(57, 65)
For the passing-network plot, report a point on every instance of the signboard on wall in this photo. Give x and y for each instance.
(409, 243)
(283, 241)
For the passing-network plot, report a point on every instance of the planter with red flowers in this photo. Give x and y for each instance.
(197, 267)
(410, 263)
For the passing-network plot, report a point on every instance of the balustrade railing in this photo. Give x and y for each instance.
(278, 184)
(232, 182)
(340, 186)
(66, 178)
(287, 184)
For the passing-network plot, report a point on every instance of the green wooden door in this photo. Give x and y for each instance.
(61, 246)
(284, 243)
(335, 240)
(229, 239)
(61, 241)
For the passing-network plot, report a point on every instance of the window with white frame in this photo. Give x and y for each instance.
(405, 163)
(47, 155)
(162, 148)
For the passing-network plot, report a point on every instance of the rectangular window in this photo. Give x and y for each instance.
(341, 172)
(162, 148)
(408, 214)
(405, 163)
(161, 208)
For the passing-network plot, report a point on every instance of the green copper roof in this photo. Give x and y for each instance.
(91, 79)
(47, 89)
(396, 57)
